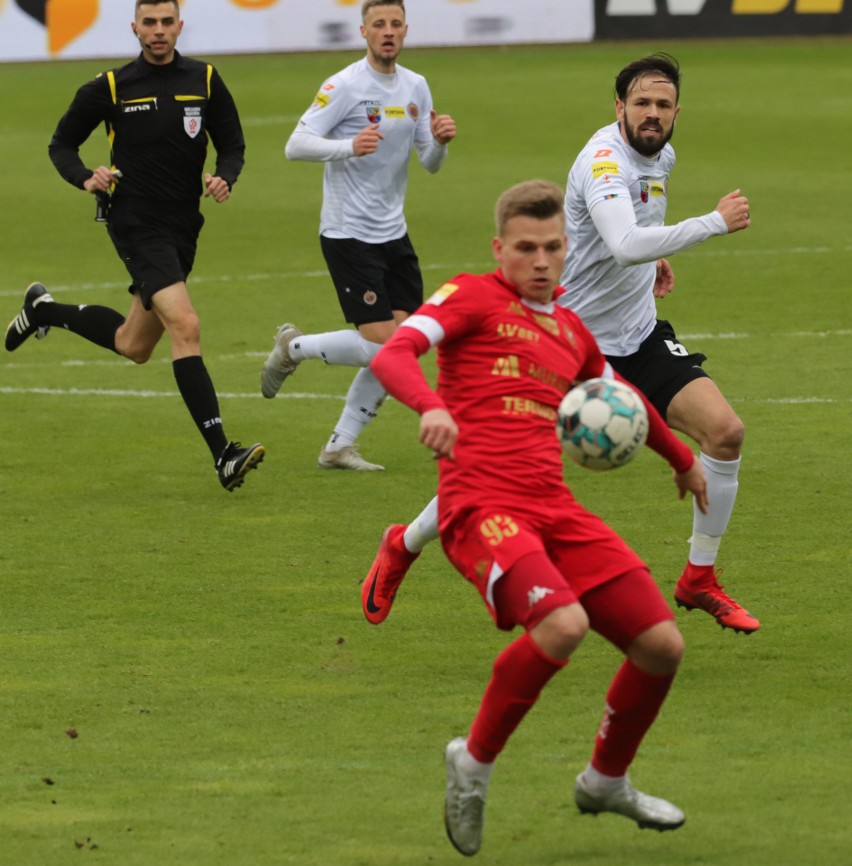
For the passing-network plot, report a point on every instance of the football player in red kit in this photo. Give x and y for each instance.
(507, 354)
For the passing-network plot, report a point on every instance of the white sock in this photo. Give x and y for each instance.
(423, 529)
(363, 399)
(708, 529)
(475, 769)
(342, 348)
(599, 783)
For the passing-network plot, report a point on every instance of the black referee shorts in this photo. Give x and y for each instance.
(373, 280)
(661, 366)
(158, 249)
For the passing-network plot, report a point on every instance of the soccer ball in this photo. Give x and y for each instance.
(602, 424)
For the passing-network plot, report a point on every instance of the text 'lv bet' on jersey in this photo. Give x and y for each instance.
(158, 119)
(504, 364)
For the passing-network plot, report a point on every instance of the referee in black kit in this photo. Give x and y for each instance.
(158, 112)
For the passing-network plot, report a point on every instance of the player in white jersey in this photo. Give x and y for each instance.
(615, 208)
(363, 124)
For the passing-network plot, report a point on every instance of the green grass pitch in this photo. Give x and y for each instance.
(231, 705)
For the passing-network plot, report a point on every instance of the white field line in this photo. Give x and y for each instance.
(124, 393)
(278, 276)
(448, 270)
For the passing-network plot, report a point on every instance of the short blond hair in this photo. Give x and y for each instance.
(367, 5)
(539, 199)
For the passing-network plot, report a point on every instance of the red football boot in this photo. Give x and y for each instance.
(698, 587)
(386, 573)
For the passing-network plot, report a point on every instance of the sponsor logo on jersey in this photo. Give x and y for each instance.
(547, 323)
(599, 169)
(192, 120)
(370, 298)
(413, 110)
(610, 195)
(138, 106)
(602, 154)
(395, 111)
(524, 406)
(443, 293)
(514, 331)
(321, 100)
(549, 377)
(507, 367)
(328, 86)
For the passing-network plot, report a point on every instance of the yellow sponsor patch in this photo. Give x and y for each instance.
(394, 111)
(657, 189)
(443, 293)
(601, 168)
(321, 100)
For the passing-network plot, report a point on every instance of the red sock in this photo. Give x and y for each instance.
(521, 671)
(632, 704)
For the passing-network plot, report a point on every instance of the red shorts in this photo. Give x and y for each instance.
(484, 544)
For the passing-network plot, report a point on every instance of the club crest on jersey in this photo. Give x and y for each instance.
(374, 112)
(644, 191)
(413, 110)
(370, 298)
(192, 120)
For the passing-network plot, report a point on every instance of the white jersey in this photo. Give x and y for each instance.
(616, 193)
(363, 196)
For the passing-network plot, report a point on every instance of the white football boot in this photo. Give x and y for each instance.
(279, 365)
(624, 799)
(464, 806)
(346, 458)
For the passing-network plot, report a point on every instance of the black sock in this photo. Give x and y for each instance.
(197, 390)
(95, 324)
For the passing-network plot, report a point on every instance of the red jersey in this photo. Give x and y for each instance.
(504, 366)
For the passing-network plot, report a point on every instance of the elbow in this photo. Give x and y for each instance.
(624, 260)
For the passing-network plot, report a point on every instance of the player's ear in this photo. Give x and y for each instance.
(497, 248)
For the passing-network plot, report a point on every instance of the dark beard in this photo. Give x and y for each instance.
(643, 147)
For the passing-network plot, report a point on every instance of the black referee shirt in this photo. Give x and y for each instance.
(157, 119)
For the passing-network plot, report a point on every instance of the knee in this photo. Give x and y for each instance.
(187, 328)
(726, 439)
(659, 650)
(561, 631)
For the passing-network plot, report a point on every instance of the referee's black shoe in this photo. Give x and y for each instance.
(235, 462)
(24, 325)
